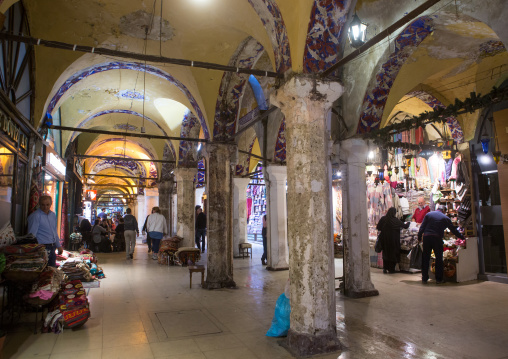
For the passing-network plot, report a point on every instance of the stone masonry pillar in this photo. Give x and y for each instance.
(219, 273)
(165, 200)
(357, 282)
(306, 103)
(239, 213)
(185, 222)
(139, 211)
(278, 252)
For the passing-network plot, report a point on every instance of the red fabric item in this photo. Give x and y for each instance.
(419, 135)
(420, 214)
(249, 208)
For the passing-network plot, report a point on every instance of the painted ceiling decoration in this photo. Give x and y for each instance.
(280, 145)
(452, 122)
(135, 66)
(271, 17)
(377, 94)
(327, 22)
(187, 156)
(124, 126)
(232, 89)
(201, 174)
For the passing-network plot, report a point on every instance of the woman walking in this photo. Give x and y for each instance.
(156, 227)
(390, 226)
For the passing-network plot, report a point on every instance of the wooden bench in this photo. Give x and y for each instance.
(244, 249)
(199, 269)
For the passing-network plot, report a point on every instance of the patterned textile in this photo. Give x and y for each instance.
(7, 235)
(24, 262)
(47, 287)
(74, 304)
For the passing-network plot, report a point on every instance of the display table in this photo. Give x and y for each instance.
(467, 267)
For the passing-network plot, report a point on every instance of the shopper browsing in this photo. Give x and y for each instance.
(432, 231)
(43, 225)
(131, 229)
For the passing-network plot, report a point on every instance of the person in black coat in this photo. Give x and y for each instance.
(200, 228)
(390, 226)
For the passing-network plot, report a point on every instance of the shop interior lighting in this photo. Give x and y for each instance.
(47, 177)
(371, 154)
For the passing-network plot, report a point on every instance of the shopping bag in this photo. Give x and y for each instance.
(378, 247)
(280, 321)
(415, 257)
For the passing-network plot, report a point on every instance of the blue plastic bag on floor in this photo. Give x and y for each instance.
(280, 321)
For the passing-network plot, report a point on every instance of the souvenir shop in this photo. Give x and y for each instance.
(401, 171)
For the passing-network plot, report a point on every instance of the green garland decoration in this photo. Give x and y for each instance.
(440, 114)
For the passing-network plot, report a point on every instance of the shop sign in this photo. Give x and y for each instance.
(91, 194)
(57, 163)
(78, 168)
(13, 131)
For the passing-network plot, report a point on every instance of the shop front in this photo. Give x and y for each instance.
(406, 173)
(13, 173)
(53, 179)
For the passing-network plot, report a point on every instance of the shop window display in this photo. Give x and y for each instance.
(256, 204)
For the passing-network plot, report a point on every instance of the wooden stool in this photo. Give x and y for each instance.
(244, 249)
(198, 268)
(186, 253)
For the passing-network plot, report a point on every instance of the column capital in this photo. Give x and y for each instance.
(277, 173)
(241, 183)
(306, 88)
(354, 150)
(185, 174)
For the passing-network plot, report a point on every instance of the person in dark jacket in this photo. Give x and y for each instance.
(85, 228)
(431, 232)
(148, 239)
(264, 233)
(390, 226)
(119, 242)
(200, 228)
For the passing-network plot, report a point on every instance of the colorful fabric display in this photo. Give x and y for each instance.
(47, 287)
(74, 304)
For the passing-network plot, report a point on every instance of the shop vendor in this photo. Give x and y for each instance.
(421, 211)
(43, 225)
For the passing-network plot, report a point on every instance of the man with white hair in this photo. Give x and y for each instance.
(43, 225)
(421, 211)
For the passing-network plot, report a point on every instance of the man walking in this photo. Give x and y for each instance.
(200, 228)
(42, 224)
(131, 229)
(432, 231)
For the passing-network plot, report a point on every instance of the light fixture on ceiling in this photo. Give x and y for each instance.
(199, 146)
(357, 32)
(485, 143)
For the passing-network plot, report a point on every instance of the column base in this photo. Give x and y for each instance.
(219, 285)
(277, 269)
(302, 345)
(361, 293)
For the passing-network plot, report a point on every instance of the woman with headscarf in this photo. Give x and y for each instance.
(390, 226)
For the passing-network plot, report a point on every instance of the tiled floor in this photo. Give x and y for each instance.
(132, 315)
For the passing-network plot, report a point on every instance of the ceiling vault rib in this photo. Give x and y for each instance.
(115, 176)
(131, 55)
(383, 34)
(127, 159)
(127, 134)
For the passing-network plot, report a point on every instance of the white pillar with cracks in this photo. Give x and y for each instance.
(306, 102)
(239, 213)
(185, 205)
(357, 281)
(278, 252)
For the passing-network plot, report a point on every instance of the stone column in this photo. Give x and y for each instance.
(140, 212)
(239, 213)
(165, 200)
(355, 231)
(306, 103)
(219, 230)
(278, 253)
(185, 222)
